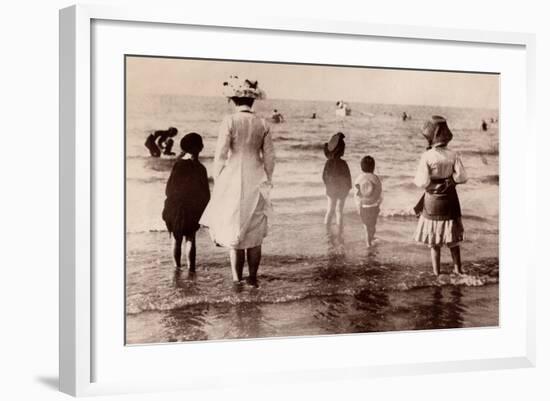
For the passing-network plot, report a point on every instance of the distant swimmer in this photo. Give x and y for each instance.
(404, 116)
(314, 116)
(277, 117)
(484, 125)
(161, 142)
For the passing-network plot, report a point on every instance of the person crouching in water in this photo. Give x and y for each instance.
(337, 179)
(439, 171)
(368, 197)
(187, 194)
(161, 142)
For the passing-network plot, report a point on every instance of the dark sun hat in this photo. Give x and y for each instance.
(191, 143)
(436, 131)
(335, 146)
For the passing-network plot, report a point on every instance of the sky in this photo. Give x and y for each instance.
(149, 75)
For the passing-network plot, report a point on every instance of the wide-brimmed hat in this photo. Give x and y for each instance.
(191, 143)
(335, 146)
(238, 87)
(436, 131)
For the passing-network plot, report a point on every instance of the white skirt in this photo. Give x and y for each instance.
(439, 232)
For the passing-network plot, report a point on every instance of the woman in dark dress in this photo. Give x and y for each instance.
(187, 194)
(337, 179)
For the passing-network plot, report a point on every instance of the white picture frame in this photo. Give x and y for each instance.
(78, 151)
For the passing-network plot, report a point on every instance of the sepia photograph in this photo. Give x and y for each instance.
(266, 199)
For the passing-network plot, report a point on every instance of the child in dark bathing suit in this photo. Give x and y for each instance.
(337, 179)
(187, 194)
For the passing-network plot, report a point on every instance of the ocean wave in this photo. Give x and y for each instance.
(378, 278)
(409, 214)
(137, 157)
(139, 303)
(287, 139)
(160, 164)
(291, 199)
(490, 179)
(156, 179)
(164, 159)
(147, 180)
(486, 152)
(308, 146)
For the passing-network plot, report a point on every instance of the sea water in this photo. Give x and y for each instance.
(312, 281)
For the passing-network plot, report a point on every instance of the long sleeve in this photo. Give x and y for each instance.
(347, 174)
(223, 146)
(357, 194)
(357, 187)
(170, 183)
(422, 176)
(205, 187)
(268, 153)
(325, 173)
(381, 198)
(459, 173)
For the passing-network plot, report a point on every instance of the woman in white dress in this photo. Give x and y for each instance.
(243, 169)
(439, 171)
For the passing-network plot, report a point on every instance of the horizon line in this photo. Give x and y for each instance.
(497, 108)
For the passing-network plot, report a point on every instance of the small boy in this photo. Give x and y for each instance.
(368, 197)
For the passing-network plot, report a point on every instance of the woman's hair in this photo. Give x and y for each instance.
(367, 164)
(243, 101)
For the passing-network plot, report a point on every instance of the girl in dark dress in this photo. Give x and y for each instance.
(337, 179)
(187, 194)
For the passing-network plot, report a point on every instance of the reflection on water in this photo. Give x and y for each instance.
(445, 311)
(248, 321)
(335, 241)
(185, 280)
(338, 295)
(185, 324)
(366, 311)
(371, 307)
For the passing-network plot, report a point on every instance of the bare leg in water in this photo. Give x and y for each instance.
(237, 263)
(331, 206)
(436, 259)
(190, 252)
(253, 256)
(368, 236)
(177, 250)
(340, 214)
(457, 262)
